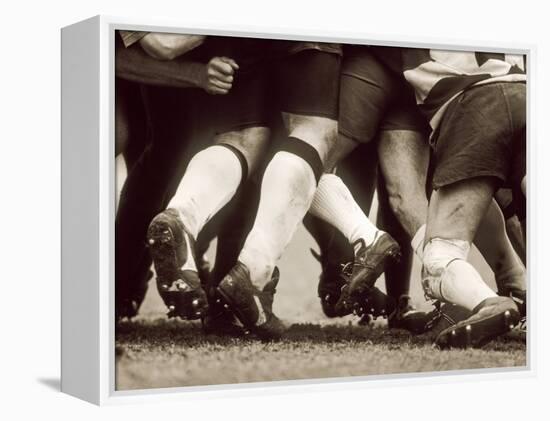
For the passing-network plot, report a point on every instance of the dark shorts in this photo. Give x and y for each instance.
(483, 134)
(294, 77)
(374, 99)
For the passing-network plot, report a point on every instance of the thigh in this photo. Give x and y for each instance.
(366, 91)
(307, 83)
(246, 105)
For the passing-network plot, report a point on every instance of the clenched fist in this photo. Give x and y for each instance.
(219, 75)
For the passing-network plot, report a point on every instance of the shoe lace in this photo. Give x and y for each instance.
(522, 325)
(346, 269)
(437, 315)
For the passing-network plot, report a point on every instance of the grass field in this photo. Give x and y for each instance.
(161, 353)
(156, 352)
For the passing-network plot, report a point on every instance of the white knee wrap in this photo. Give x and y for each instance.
(439, 253)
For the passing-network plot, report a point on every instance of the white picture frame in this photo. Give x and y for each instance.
(88, 212)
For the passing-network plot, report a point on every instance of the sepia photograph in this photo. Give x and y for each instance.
(291, 209)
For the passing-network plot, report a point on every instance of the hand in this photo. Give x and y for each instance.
(219, 75)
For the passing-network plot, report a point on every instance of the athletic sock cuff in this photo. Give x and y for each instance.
(305, 151)
(242, 160)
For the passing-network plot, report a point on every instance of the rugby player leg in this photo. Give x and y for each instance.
(519, 179)
(122, 125)
(131, 130)
(464, 186)
(454, 214)
(404, 156)
(210, 181)
(358, 172)
(404, 162)
(287, 188)
(404, 314)
(214, 175)
(131, 138)
(366, 91)
(505, 200)
(492, 241)
(147, 185)
(161, 165)
(308, 87)
(404, 153)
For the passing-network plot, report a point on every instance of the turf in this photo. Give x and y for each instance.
(169, 353)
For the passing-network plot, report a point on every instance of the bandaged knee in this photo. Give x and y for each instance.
(448, 277)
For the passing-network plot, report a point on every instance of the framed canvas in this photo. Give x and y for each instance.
(243, 209)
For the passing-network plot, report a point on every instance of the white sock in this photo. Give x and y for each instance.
(210, 181)
(288, 186)
(511, 278)
(334, 204)
(447, 276)
(417, 243)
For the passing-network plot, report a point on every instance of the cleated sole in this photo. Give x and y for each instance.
(188, 301)
(476, 331)
(246, 313)
(374, 303)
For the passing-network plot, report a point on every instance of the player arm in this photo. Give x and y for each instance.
(136, 65)
(215, 77)
(169, 46)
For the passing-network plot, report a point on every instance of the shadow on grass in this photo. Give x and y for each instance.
(161, 332)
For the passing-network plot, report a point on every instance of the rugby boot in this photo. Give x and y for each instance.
(334, 279)
(407, 317)
(520, 298)
(445, 315)
(172, 250)
(491, 318)
(219, 319)
(369, 263)
(331, 282)
(252, 306)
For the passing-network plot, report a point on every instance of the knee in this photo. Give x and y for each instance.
(319, 132)
(439, 254)
(251, 142)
